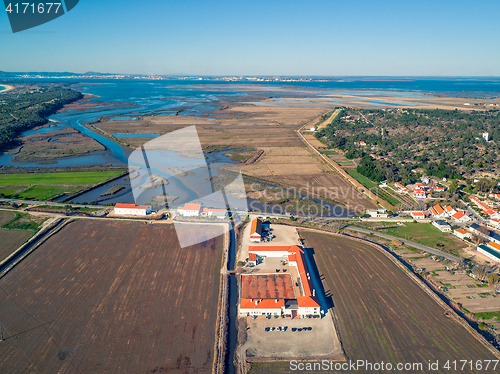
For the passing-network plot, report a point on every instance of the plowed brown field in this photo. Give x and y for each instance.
(112, 297)
(383, 315)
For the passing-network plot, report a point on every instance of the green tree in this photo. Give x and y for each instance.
(492, 278)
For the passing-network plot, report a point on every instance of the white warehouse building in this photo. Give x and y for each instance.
(132, 210)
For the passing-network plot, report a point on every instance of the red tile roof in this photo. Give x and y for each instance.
(461, 231)
(307, 302)
(419, 214)
(132, 206)
(275, 248)
(252, 257)
(256, 227)
(190, 206)
(458, 215)
(438, 209)
(267, 286)
(262, 303)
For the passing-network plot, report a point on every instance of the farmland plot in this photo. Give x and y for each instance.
(112, 297)
(382, 314)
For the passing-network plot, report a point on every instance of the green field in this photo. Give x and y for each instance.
(85, 177)
(329, 152)
(372, 186)
(426, 234)
(44, 192)
(9, 191)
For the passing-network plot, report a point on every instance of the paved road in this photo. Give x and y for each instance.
(50, 203)
(407, 242)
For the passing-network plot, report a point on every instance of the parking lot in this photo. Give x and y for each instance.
(311, 337)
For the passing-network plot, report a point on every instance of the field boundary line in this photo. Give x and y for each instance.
(222, 309)
(462, 321)
(35, 241)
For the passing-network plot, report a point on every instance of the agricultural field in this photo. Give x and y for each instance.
(15, 229)
(372, 186)
(285, 161)
(43, 186)
(426, 234)
(328, 185)
(84, 177)
(382, 314)
(102, 297)
(44, 192)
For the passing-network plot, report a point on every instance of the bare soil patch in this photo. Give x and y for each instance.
(103, 297)
(382, 314)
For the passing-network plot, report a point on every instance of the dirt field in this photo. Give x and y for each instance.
(328, 185)
(11, 239)
(285, 161)
(382, 314)
(112, 297)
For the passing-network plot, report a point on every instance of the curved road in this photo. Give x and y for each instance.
(404, 241)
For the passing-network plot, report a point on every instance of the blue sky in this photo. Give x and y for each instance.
(274, 37)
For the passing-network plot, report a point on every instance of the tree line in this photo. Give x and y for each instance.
(22, 111)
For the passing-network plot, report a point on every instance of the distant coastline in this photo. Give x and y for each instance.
(5, 88)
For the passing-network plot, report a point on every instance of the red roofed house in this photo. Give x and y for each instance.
(438, 188)
(252, 259)
(401, 188)
(494, 222)
(461, 233)
(256, 230)
(437, 211)
(419, 215)
(491, 212)
(132, 209)
(449, 210)
(189, 210)
(419, 193)
(461, 217)
(211, 212)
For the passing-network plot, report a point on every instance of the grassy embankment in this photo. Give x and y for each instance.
(372, 186)
(426, 234)
(42, 186)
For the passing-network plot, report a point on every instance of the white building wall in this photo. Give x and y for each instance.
(258, 311)
(188, 213)
(308, 310)
(255, 239)
(132, 212)
(271, 253)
